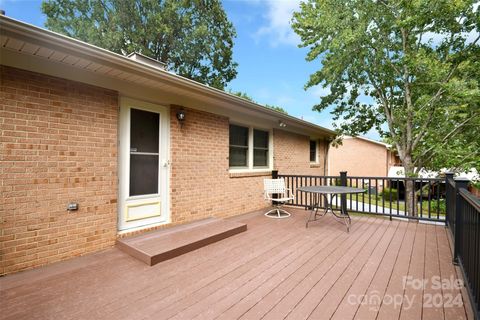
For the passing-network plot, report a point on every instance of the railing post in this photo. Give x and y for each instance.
(448, 199)
(459, 184)
(343, 197)
(274, 174)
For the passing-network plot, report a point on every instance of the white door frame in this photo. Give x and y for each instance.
(138, 212)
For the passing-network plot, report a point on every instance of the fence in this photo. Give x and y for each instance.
(384, 195)
(463, 220)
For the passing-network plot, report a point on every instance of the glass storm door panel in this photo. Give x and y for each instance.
(144, 152)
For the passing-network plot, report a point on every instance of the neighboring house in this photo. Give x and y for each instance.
(360, 156)
(82, 125)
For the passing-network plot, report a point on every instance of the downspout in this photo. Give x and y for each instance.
(325, 158)
(388, 162)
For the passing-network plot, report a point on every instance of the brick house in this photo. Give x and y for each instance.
(360, 156)
(82, 125)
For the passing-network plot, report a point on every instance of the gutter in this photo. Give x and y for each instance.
(78, 48)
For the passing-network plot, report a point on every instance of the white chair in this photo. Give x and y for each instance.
(283, 195)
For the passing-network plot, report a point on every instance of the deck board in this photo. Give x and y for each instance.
(372, 279)
(276, 269)
(355, 281)
(338, 278)
(395, 285)
(447, 271)
(339, 258)
(412, 305)
(432, 270)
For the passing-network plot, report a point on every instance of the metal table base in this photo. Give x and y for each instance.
(333, 191)
(344, 216)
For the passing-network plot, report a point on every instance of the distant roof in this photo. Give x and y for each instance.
(368, 140)
(399, 172)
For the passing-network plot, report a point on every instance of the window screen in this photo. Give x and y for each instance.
(260, 148)
(238, 153)
(144, 146)
(313, 151)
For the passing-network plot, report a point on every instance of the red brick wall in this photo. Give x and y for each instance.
(359, 158)
(200, 183)
(58, 144)
(292, 154)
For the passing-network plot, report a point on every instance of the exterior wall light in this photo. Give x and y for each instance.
(181, 116)
(282, 124)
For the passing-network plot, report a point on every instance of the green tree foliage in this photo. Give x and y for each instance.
(454, 138)
(276, 108)
(412, 65)
(194, 37)
(245, 96)
(242, 95)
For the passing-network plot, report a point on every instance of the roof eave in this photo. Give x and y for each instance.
(111, 58)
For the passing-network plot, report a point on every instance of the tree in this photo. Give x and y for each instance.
(245, 96)
(453, 141)
(193, 37)
(242, 95)
(397, 63)
(276, 108)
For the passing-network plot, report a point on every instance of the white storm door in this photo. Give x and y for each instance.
(144, 165)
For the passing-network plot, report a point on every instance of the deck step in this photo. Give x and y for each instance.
(157, 246)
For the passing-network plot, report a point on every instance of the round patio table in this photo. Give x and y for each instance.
(333, 191)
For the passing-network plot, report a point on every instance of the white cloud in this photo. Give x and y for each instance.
(278, 18)
(436, 38)
(319, 91)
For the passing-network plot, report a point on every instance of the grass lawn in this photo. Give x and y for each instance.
(400, 205)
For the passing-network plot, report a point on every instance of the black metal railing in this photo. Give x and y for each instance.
(463, 220)
(384, 195)
(450, 199)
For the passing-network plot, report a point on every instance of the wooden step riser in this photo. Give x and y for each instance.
(137, 247)
(196, 245)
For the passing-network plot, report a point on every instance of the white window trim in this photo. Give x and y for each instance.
(250, 167)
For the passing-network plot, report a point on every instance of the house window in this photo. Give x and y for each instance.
(260, 148)
(313, 151)
(238, 146)
(144, 155)
(249, 148)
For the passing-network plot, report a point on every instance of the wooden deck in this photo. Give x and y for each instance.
(275, 270)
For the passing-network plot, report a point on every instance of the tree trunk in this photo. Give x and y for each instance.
(410, 198)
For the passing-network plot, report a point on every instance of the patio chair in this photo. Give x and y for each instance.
(276, 192)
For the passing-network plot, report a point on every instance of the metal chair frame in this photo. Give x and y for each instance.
(283, 194)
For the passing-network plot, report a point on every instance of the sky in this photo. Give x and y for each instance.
(271, 67)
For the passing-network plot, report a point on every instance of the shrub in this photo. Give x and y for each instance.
(440, 204)
(390, 193)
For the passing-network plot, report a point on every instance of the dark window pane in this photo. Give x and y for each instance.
(144, 127)
(260, 158)
(238, 136)
(313, 151)
(260, 139)
(238, 157)
(143, 174)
